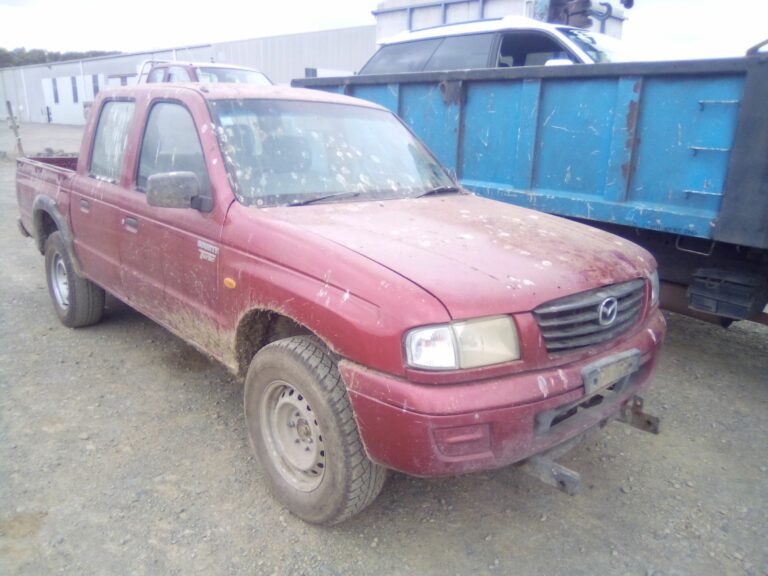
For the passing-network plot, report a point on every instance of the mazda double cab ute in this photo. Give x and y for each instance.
(382, 317)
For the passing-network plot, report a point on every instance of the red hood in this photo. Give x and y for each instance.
(477, 256)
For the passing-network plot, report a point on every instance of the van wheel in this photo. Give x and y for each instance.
(301, 426)
(77, 301)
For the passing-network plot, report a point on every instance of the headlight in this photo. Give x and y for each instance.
(654, 288)
(467, 344)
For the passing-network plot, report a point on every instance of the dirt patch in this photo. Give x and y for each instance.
(22, 525)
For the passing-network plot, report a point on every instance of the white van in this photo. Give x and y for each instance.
(499, 43)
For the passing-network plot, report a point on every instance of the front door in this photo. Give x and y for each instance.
(176, 248)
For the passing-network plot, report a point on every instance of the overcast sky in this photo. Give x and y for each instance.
(656, 28)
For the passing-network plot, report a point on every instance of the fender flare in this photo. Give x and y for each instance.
(47, 205)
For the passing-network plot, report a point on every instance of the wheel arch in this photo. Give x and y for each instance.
(258, 327)
(47, 219)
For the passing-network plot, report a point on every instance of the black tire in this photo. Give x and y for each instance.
(78, 302)
(317, 467)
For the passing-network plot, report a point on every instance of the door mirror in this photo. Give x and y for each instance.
(558, 62)
(173, 190)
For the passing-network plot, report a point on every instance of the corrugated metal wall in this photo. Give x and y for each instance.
(283, 58)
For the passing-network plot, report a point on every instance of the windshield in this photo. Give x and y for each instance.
(214, 74)
(282, 152)
(599, 47)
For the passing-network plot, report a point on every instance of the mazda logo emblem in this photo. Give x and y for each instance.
(606, 313)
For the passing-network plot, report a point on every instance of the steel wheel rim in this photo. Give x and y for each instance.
(292, 436)
(60, 281)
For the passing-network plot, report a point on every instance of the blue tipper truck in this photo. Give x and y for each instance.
(671, 155)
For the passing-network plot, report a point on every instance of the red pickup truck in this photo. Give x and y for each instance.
(382, 317)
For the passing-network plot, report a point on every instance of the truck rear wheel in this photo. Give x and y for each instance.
(301, 426)
(76, 300)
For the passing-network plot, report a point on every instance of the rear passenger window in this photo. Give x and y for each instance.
(459, 52)
(110, 140)
(177, 74)
(405, 57)
(529, 49)
(171, 145)
(156, 76)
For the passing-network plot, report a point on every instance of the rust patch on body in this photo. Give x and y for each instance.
(452, 91)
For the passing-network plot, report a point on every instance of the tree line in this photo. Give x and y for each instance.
(24, 57)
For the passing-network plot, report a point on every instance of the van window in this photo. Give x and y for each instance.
(110, 141)
(460, 52)
(171, 145)
(529, 48)
(405, 57)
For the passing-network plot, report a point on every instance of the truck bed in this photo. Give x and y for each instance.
(48, 176)
(676, 147)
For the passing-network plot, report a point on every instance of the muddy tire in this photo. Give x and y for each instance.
(77, 301)
(301, 426)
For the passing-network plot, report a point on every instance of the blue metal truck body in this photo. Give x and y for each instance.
(674, 152)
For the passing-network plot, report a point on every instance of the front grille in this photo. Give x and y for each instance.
(573, 322)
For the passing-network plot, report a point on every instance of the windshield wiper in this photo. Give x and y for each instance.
(317, 199)
(441, 190)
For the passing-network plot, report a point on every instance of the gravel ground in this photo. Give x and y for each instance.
(123, 451)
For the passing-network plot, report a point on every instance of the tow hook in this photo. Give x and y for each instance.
(553, 474)
(632, 414)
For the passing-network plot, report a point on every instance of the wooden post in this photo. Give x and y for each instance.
(14, 126)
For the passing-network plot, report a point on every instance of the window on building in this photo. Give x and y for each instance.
(95, 80)
(55, 91)
(123, 81)
(74, 89)
(171, 145)
(110, 141)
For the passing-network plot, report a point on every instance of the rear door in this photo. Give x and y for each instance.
(97, 221)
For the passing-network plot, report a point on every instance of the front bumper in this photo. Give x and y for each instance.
(438, 430)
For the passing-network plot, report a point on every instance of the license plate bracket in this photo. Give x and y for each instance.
(610, 370)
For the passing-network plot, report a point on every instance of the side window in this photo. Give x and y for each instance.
(460, 52)
(110, 140)
(156, 76)
(171, 145)
(178, 74)
(405, 57)
(529, 49)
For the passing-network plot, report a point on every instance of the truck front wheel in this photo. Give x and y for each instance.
(301, 426)
(76, 300)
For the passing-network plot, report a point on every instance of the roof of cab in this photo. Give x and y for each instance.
(202, 65)
(224, 91)
(493, 25)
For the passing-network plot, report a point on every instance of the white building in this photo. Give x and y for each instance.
(65, 90)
